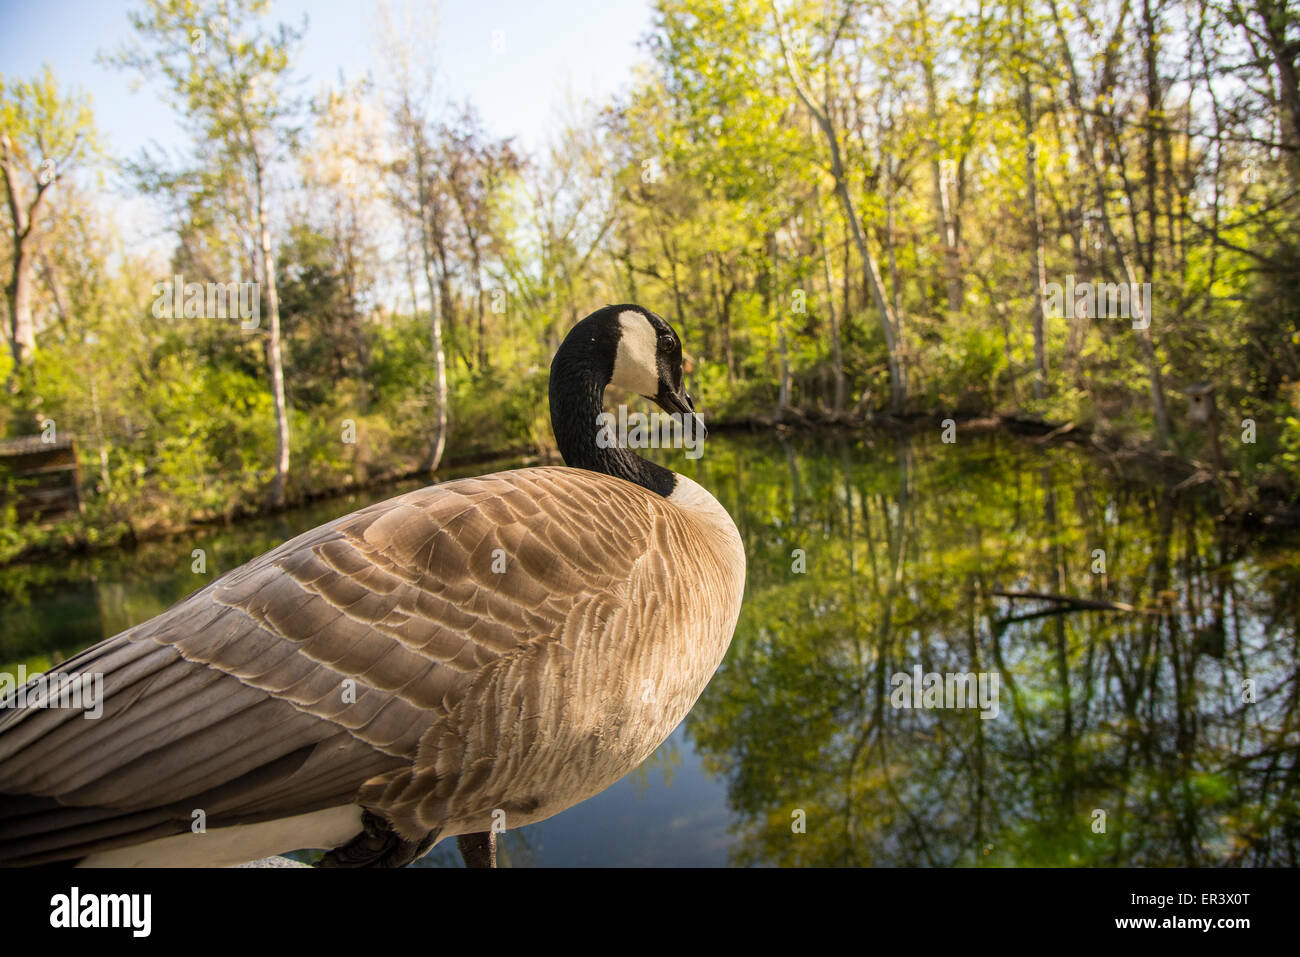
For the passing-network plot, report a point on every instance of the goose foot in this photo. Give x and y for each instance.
(478, 849)
(378, 845)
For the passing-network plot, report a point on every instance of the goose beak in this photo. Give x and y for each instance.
(671, 400)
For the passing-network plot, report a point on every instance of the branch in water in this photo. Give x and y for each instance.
(1072, 603)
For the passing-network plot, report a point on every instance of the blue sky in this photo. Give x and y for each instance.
(552, 51)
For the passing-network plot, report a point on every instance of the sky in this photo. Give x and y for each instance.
(518, 62)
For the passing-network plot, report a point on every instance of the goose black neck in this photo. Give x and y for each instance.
(582, 368)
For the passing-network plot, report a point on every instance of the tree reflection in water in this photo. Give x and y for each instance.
(1123, 738)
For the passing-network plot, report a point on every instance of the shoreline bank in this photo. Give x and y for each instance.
(1250, 509)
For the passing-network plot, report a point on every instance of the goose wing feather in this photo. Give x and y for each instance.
(328, 666)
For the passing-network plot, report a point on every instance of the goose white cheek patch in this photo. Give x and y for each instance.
(635, 366)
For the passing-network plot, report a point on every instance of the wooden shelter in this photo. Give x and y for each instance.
(42, 476)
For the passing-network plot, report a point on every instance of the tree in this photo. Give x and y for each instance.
(1038, 266)
(1089, 140)
(45, 133)
(417, 189)
(230, 77)
(476, 169)
(339, 260)
(824, 116)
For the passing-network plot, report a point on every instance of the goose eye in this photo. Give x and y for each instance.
(667, 342)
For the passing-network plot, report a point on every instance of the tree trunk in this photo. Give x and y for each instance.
(423, 205)
(783, 357)
(22, 218)
(1038, 264)
(483, 362)
(837, 356)
(943, 218)
(104, 482)
(439, 443)
(434, 457)
(871, 276)
(722, 304)
(1275, 18)
(22, 329)
(891, 247)
(447, 315)
(274, 359)
(728, 349)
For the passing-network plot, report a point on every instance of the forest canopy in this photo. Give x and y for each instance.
(1070, 209)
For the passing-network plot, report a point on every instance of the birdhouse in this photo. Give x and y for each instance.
(1200, 403)
(1201, 412)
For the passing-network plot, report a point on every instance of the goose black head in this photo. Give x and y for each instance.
(629, 347)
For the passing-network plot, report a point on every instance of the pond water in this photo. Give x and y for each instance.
(1160, 732)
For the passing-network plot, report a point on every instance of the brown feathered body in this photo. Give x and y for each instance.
(490, 650)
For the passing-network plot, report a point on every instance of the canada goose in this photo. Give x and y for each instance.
(474, 655)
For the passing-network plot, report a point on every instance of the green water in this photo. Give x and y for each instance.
(1165, 735)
